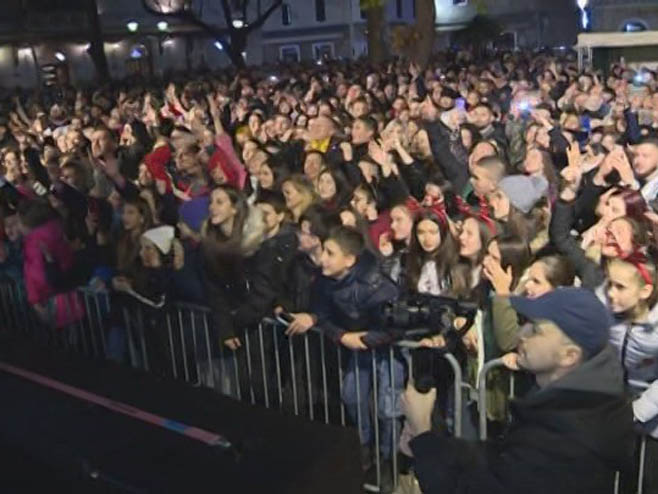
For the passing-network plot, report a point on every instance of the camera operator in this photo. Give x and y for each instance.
(431, 256)
(569, 435)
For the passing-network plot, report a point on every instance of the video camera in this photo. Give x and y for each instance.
(426, 315)
(436, 313)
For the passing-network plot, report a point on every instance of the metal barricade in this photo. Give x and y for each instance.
(305, 374)
(13, 315)
(482, 393)
(643, 444)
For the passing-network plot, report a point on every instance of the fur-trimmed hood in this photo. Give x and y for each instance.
(253, 232)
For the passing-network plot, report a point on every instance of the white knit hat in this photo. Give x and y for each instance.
(162, 237)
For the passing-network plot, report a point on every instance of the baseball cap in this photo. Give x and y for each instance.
(576, 311)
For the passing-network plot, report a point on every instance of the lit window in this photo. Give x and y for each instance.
(323, 51)
(285, 14)
(320, 12)
(634, 27)
(289, 53)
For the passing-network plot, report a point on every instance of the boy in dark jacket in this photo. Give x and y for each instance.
(351, 298)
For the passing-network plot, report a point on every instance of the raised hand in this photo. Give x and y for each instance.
(500, 279)
(348, 153)
(574, 157)
(619, 161)
(377, 153)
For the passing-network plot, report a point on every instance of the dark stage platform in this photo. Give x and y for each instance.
(54, 442)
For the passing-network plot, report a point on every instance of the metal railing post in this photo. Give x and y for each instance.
(482, 394)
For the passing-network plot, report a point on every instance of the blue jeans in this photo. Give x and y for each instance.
(116, 345)
(388, 405)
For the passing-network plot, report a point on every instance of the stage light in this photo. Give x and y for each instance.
(132, 26)
(163, 25)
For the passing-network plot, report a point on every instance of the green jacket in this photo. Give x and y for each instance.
(505, 324)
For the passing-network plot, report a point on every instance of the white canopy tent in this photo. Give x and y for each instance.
(631, 45)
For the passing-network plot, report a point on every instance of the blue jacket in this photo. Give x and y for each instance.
(356, 302)
(12, 266)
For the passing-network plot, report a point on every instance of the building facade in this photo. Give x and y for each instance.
(313, 29)
(535, 23)
(538, 23)
(624, 15)
(32, 39)
(37, 34)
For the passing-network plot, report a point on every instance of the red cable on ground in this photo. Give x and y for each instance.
(207, 437)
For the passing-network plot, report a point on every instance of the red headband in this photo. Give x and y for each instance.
(639, 260)
(635, 257)
(483, 214)
(436, 207)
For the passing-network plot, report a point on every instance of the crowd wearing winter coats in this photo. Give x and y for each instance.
(324, 193)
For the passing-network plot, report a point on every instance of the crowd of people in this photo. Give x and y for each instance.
(322, 193)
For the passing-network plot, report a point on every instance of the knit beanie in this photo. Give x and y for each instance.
(523, 191)
(162, 237)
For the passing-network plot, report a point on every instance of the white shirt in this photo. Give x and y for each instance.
(650, 189)
(428, 281)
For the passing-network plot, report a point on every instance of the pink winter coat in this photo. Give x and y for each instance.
(223, 142)
(65, 307)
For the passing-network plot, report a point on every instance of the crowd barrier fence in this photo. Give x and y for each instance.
(306, 374)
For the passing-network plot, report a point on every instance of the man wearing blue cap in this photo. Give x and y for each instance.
(569, 435)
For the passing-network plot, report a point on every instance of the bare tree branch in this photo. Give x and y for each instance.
(237, 36)
(261, 20)
(228, 15)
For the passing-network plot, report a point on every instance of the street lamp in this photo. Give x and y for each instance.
(584, 14)
(60, 56)
(163, 25)
(219, 45)
(132, 26)
(238, 23)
